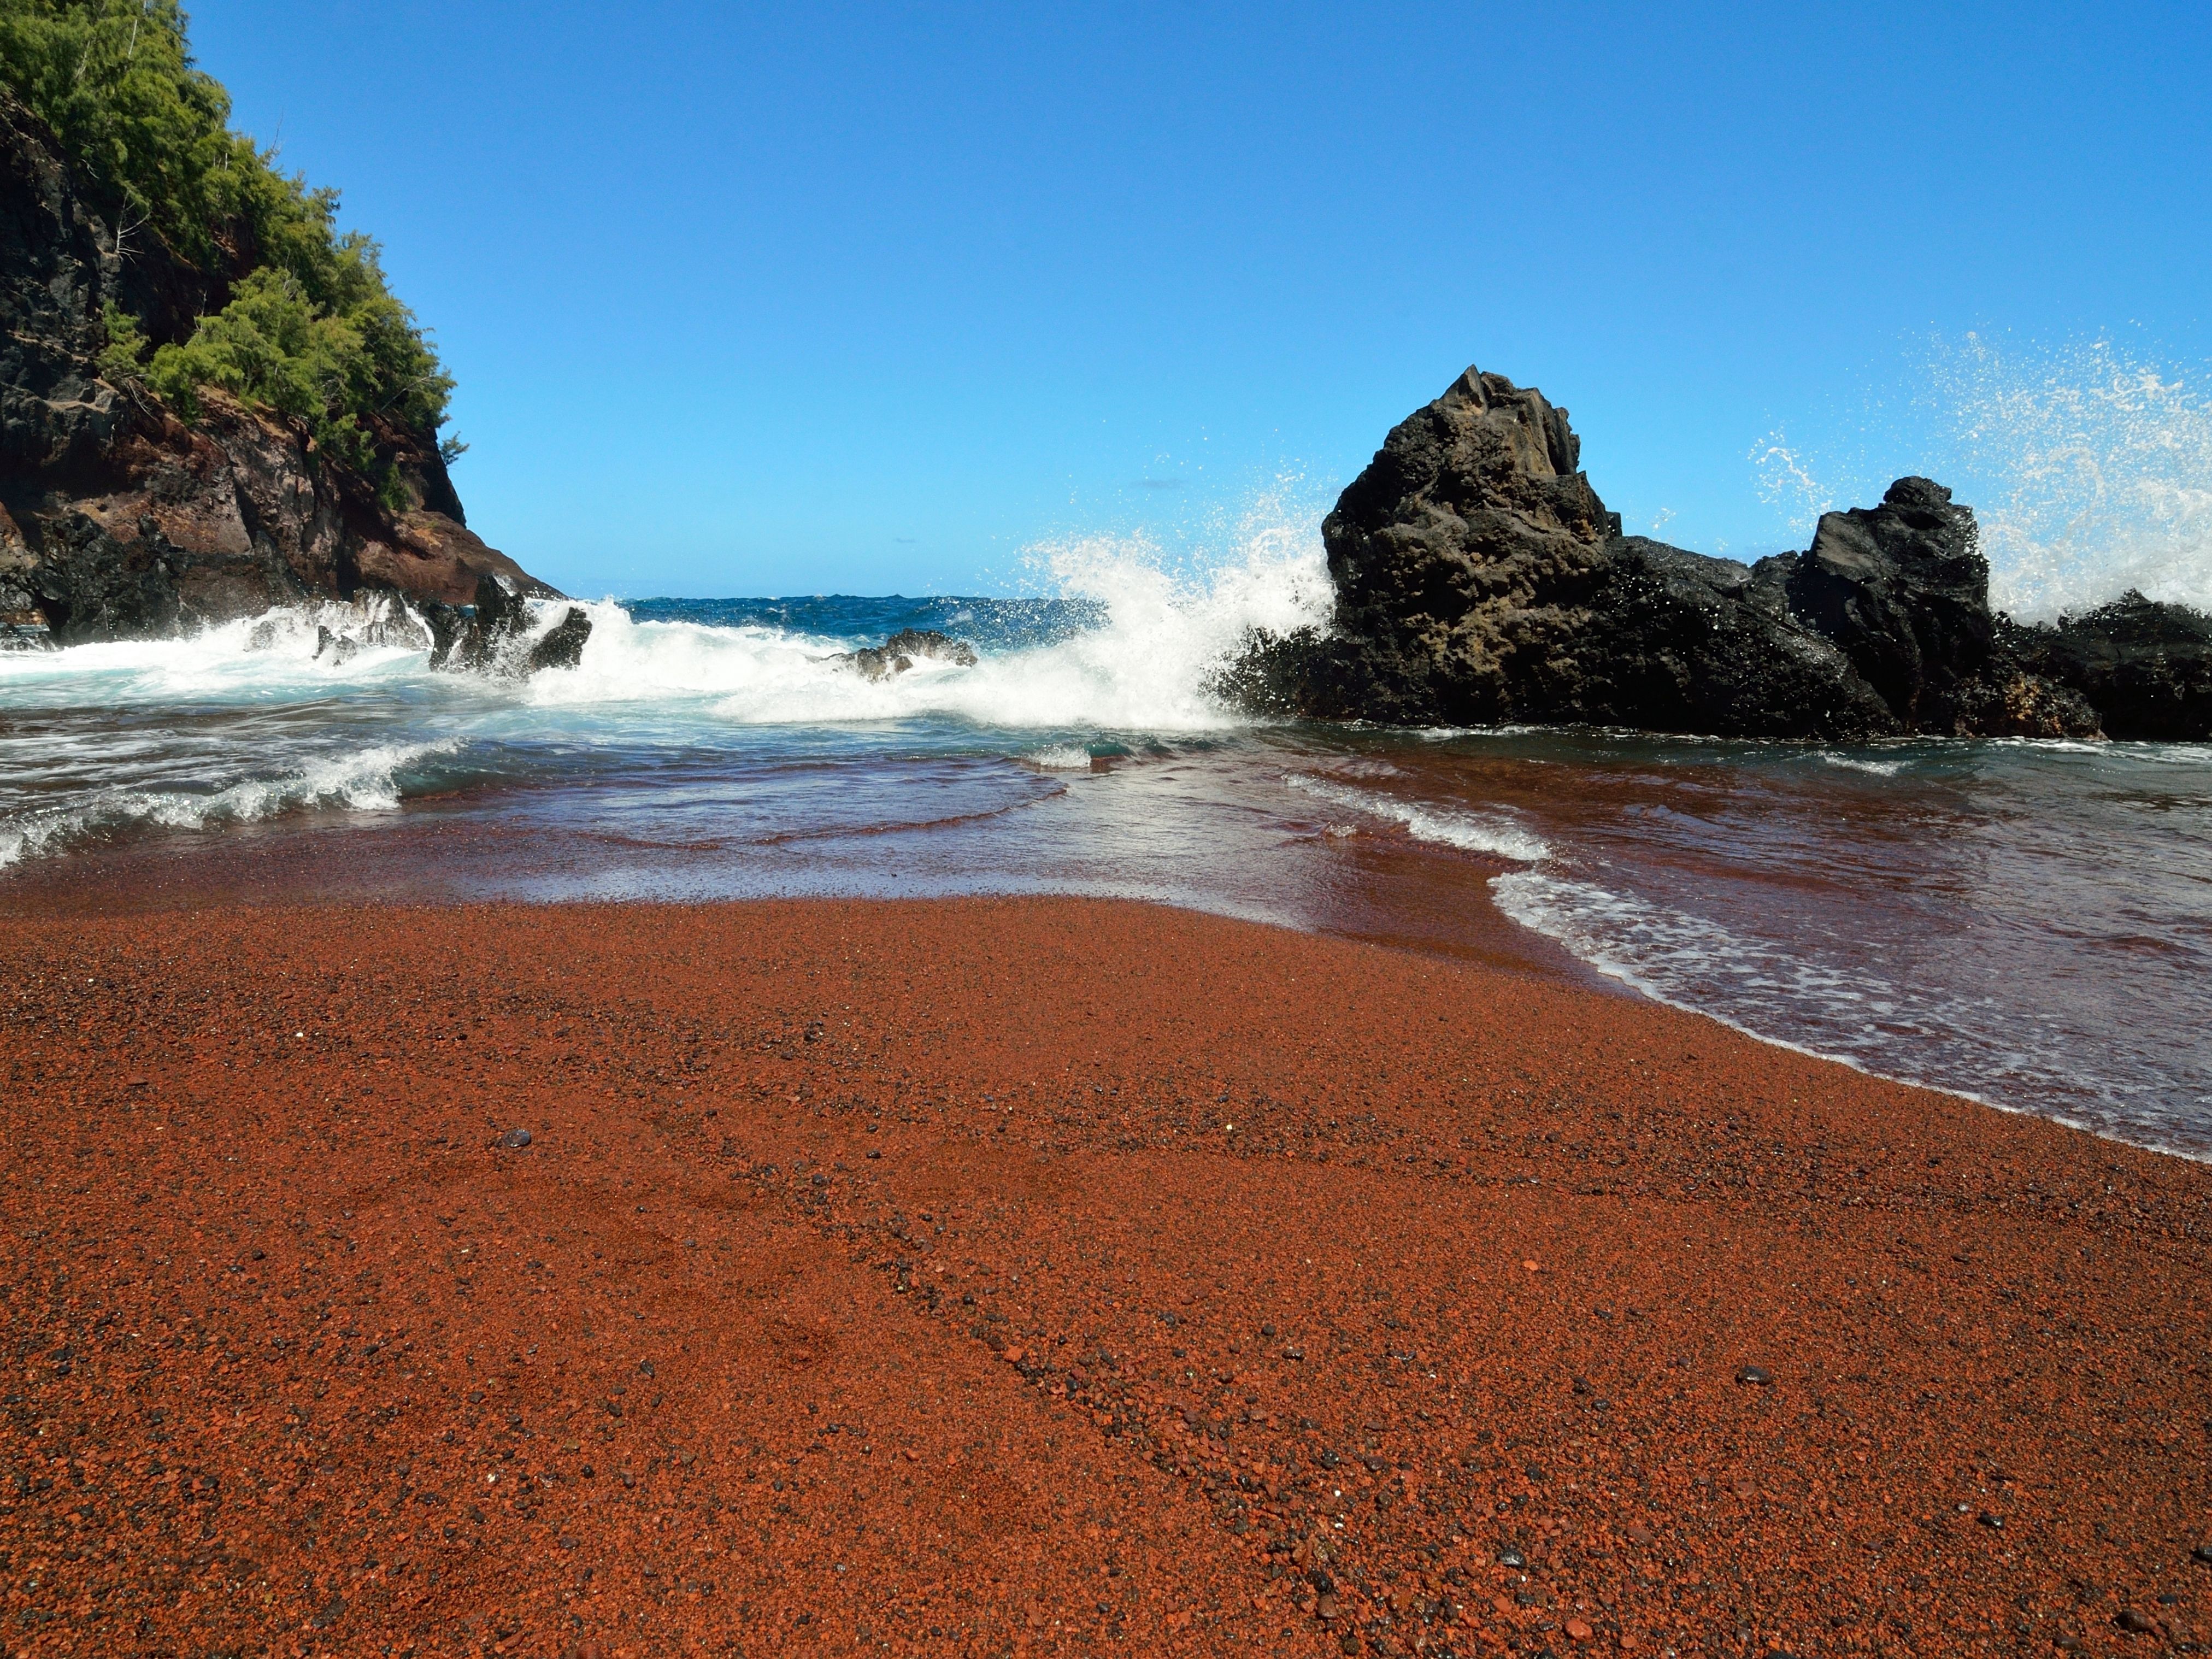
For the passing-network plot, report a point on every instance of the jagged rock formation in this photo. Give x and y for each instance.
(2146, 667)
(1904, 592)
(491, 635)
(897, 654)
(1481, 580)
(116, 518)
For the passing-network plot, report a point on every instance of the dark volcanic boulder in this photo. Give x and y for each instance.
(562, 646)
(2145, 666)
(1677, 641)
(1904, 591)
(1481, 580)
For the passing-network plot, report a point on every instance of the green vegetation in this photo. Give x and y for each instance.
(311, 330)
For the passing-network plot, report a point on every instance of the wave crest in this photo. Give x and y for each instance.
(369, 780)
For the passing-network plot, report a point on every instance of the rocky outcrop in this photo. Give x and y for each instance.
(897, 654)
(2146, 667)
(118, 518)
(491, 635)
(1481, 580)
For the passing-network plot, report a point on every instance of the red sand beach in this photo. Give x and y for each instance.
(1042, 1276)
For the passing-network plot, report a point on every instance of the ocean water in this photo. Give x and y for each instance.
(2029, 923)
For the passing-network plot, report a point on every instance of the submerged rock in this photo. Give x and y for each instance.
(1481, 580)
(897, 654)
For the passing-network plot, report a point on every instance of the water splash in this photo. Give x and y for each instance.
(2088, 466)
(2092, 471)
(1164, 628)
(1786, 484)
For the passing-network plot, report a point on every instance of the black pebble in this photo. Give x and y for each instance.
(2136, 1624)
(2202, 1553)
(1754, 1374)
(515, 1139)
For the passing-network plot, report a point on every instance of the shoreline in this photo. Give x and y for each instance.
(1034, 1200)
(411, 863)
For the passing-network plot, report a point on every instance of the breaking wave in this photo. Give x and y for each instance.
(1492, 833)
(159, 733)
(370, 780)
(1160, 637)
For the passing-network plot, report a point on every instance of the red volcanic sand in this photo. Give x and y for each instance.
(1041, 1277)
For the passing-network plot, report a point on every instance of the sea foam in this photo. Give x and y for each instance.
(1165, 633)
(366, 779)
(1494, 833)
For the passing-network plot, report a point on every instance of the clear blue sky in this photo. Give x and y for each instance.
(808, 298)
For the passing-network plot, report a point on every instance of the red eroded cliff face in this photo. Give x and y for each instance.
(118, 518)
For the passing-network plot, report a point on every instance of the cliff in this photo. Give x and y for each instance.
(117, 516)
(1481, 580)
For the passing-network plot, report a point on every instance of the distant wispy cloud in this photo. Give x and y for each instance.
(1159, 483)
(907, 541)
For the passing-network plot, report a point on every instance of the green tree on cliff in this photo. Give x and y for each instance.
(311, 330)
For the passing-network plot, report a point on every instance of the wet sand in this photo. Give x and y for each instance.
(1041, 1276)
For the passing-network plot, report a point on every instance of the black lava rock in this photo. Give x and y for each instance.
(1481, 580)
(1904, 591)
(2146, 667)
(514, 1141)
(563, 647)
(1757, 1375)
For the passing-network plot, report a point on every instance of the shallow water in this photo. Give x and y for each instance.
(2029, 923)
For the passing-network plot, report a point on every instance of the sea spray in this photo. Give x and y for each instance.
(2089, 467)
(1161, 631)
(2092, 470)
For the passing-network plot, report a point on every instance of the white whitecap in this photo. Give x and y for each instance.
(366, 780)
(1492, 833)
